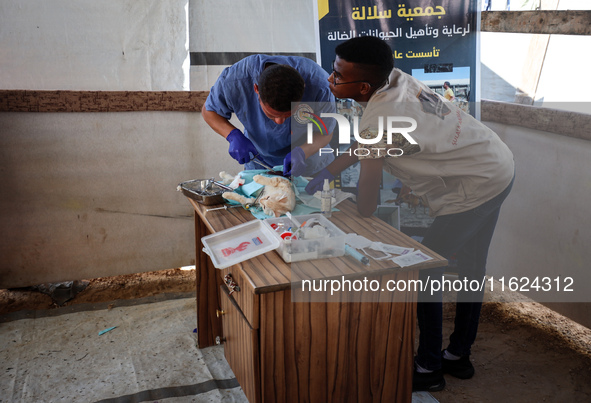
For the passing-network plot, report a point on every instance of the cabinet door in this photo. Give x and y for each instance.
(241, 347)
(243, 294)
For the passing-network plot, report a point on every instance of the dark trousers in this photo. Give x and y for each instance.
(468, 236)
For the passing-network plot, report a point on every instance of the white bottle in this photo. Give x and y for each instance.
(326, 199)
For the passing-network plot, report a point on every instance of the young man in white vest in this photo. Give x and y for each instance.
(457, 165)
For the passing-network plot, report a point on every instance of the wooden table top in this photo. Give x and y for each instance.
(269, 273)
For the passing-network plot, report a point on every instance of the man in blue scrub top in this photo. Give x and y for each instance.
(260, 90)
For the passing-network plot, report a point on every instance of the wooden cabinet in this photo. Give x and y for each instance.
(285, 345)
(321, 352)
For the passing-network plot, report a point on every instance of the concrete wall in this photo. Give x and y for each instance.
(87, 195)
(545, 225)
(94, 45)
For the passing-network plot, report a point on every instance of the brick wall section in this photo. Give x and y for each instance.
(101, 101)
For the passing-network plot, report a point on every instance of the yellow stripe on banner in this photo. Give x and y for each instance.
(315, 122)
(322, 8)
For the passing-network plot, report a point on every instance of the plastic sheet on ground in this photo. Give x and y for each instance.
(151, 354)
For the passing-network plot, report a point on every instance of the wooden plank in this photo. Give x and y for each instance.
(241, 348)
(362, 374)
(348, 316)
(275, 387)
(532, 70)
(569, 22)
(101, 101)
(318, 345)
(207, 297)
(302, 348)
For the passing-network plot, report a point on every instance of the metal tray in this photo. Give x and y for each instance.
(202, 191)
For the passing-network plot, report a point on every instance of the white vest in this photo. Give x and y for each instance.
(461, 163)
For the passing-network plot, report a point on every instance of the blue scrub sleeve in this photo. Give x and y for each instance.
(220, 96)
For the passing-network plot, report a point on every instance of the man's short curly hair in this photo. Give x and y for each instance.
(371, 54)
(279, 86)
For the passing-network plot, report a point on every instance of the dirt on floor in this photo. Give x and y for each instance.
(104, 289)
(524, 351)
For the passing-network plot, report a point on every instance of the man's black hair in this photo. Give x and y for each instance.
(371, 53)
(279, 86)
(447, 83)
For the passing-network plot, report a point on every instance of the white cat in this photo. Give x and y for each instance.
(278, 196)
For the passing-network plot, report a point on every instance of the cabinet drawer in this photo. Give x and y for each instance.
(243, 293)
(241, 347)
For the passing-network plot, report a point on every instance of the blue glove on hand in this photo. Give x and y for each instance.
(240, 147)
(294, 163)
(316, 184)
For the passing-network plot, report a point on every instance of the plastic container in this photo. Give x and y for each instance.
(330, 243)
(239, 243)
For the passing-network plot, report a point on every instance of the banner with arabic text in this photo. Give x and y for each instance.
(432, 40)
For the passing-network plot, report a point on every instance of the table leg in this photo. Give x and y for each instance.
(208, 299)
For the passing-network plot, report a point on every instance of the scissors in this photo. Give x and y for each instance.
(258, 161)
(271, 170)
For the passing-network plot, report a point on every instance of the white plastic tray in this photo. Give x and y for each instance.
(239, 243)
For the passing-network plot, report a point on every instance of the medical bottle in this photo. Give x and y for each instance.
(326, 200)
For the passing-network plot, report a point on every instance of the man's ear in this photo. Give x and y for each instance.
(365, 88)
(256, 88)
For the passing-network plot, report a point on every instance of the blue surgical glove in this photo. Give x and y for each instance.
(294, 163)
(316, 184)
(240, 147)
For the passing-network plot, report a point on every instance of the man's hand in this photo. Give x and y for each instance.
(294, 163)
(316, 183)
(240, 147)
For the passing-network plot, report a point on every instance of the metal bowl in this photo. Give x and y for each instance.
(203, 191)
